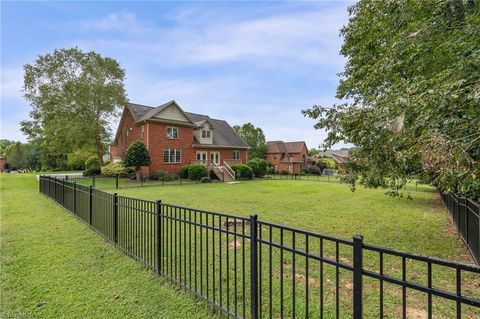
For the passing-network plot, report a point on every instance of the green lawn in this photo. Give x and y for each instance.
(54, 266)
(420, 225)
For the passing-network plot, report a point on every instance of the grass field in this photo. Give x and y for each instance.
(420, 225)
(54, 266)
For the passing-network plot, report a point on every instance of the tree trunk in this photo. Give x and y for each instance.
(99, 146)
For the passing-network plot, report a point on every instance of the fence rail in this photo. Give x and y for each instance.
(466, 217)
(249, 268)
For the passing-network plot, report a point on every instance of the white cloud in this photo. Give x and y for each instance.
(121, 21)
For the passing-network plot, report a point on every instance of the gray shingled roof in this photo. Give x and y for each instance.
(223, 135)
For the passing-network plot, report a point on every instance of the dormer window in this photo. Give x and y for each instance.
(172, 132)
(206, 134)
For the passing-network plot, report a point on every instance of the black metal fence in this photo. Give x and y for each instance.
(466, 217)
(248, 268)
(117, 182)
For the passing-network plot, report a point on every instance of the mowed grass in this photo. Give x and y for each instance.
(54, 266)
(420, 225)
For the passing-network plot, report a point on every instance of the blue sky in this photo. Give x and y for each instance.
(258, 62)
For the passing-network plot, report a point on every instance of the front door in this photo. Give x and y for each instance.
(202, 157)
(215, 157)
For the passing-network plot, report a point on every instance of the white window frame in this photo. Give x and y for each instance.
(173, 155)
(213, 159)
(202, 154)
(236, 155)
(206, 134)
(170, 135)
(142, 132)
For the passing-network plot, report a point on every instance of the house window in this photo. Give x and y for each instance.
(172, 155)
(142, 133)
(172, 132)
(236, 155)
(206, 134)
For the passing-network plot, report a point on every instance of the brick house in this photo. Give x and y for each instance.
(176, 138)
(291, 157)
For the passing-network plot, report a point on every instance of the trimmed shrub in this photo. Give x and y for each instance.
(242, 171)
(326, 161)
(205, 179)
(107, 162)
(197, 171)
(92, 162)
(183, 173)
(91, 172)
(312, 169)
(259, 166)
(162, 176)
(114, 169)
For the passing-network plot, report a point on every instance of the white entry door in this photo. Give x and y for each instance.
(202, 157)
(215, 157)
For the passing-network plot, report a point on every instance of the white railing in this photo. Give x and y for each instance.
(218, 171)
(229, 170)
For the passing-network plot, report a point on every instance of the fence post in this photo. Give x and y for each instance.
(158, 233)
(253, 267)
(90, 188)
(63, 192)
(115, 217)
(75, 198)
(357, 277)
(116, 181)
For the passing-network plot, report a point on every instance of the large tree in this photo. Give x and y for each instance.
(254, 137)
(410, 94)
(74, 95)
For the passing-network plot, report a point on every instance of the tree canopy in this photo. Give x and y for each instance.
(137, 155)
(410, 94)
(254, 137)
(74, 95)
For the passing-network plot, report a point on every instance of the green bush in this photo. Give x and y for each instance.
(92, 162)
(77, 159)
(242, 171)
(197, 171)
(162, 176)
(259, 166)
(92, 172)
(205, 179)
(183, 173)
(132, 176)
(114, 169)
(107, 162)
(326, 161)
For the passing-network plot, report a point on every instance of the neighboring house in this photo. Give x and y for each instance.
(339, 156)
(175, 138)
(287, 156)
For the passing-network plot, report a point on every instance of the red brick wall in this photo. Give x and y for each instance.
(157, 141)
(124, 141)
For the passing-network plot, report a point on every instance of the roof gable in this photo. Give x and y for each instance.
(169, 111)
